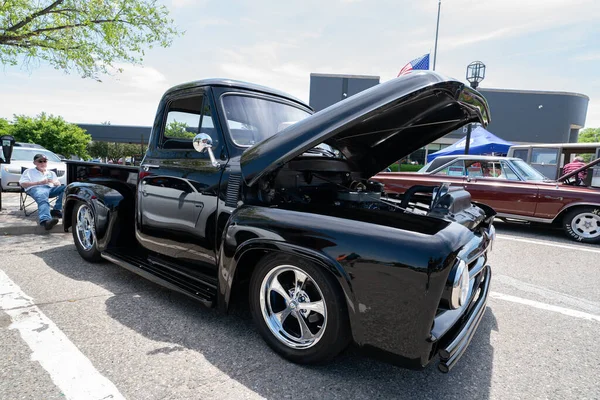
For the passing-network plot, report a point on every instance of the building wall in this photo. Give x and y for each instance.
(536, 116)
(118, 133)
(326, 89)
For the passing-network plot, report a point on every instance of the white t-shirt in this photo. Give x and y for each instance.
(34, 175)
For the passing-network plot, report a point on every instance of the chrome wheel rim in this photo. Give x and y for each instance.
(586, 225)
(85, 228)
(293, 307)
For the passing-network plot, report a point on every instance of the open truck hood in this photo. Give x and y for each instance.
(376, 127)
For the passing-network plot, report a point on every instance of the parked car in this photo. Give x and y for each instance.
(258, 193)
(514, 189)
(30, 145)
(550, 158)
(22, 157)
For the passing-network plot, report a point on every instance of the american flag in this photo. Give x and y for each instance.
(418, 63)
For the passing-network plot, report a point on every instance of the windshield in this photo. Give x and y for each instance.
(527, 172)
(251, 120)
(21, 154)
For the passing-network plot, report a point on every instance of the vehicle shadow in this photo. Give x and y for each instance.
(232, 344)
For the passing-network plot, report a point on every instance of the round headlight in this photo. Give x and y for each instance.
(460, 288)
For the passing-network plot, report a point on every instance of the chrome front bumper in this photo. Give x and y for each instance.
(458, 343)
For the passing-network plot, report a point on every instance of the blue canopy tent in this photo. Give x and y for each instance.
(482, 142)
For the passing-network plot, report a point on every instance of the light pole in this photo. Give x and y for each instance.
(437, 28)
(475, 74)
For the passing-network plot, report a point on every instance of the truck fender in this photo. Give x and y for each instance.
(103, 201)
(230, 267)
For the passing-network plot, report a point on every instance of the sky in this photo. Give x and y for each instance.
(551, 45)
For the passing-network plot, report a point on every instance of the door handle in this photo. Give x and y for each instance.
(553, 198)
(144, 193)
(147, 167)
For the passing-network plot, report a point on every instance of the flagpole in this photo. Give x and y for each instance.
(437, 28)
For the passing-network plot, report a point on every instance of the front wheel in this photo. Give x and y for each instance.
(84, 232)
(583, 224)
(299, 309)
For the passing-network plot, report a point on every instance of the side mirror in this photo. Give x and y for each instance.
(203, 143)
(7, 143)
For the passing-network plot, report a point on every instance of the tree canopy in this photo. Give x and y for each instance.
(87, 36)
(54, 133)
(178, 129)
(589, 135)
(114, 151)
(4, 127)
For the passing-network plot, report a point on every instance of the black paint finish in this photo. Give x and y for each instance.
(199, 228)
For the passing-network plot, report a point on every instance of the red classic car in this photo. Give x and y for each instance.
(513, 189)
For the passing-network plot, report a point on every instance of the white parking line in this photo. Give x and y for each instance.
(544, 306)
(573, 301)
(69, 369)
(561, 246)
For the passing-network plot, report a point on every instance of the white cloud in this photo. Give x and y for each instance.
(141, 78)
(526, 44)
(187, 3)
(588, 57)
(204, 22)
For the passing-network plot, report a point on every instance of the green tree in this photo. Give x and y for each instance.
(54, 133)
(87, 36)
(132, 149)
(98, 149)
(177, 129)
(113, 151)
(589, 135)
(116, 151)
(4, 127)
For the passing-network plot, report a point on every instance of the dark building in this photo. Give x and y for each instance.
(118, 133)
(328, 89)
(518, 116)
(530, 116)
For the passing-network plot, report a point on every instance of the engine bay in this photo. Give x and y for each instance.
(323, 182)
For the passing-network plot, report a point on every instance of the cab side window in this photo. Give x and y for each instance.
(457, 168)
(186, 117)
(508, 172)
(474, 169)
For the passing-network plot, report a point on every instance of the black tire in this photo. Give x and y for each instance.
(583, 224)
(334, 334)
(89, 253)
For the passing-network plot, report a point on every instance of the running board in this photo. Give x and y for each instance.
(198, 290)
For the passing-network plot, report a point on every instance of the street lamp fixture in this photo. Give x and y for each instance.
(475, 74)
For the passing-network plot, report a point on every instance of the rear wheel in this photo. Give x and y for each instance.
(583, 224)
(299, 309)
(84, 232)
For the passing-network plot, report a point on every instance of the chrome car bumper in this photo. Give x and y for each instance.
(459, 341)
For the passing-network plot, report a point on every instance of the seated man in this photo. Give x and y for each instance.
(42, 184)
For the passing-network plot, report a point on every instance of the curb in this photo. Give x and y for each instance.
(30, 229)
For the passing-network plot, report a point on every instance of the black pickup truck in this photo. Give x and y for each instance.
(244, 189)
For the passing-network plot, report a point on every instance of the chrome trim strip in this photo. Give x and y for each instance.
(525, 218)
(476, 270)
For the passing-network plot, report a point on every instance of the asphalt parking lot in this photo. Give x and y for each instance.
(131, 339)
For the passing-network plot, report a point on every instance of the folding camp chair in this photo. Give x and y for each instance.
(26, 201)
